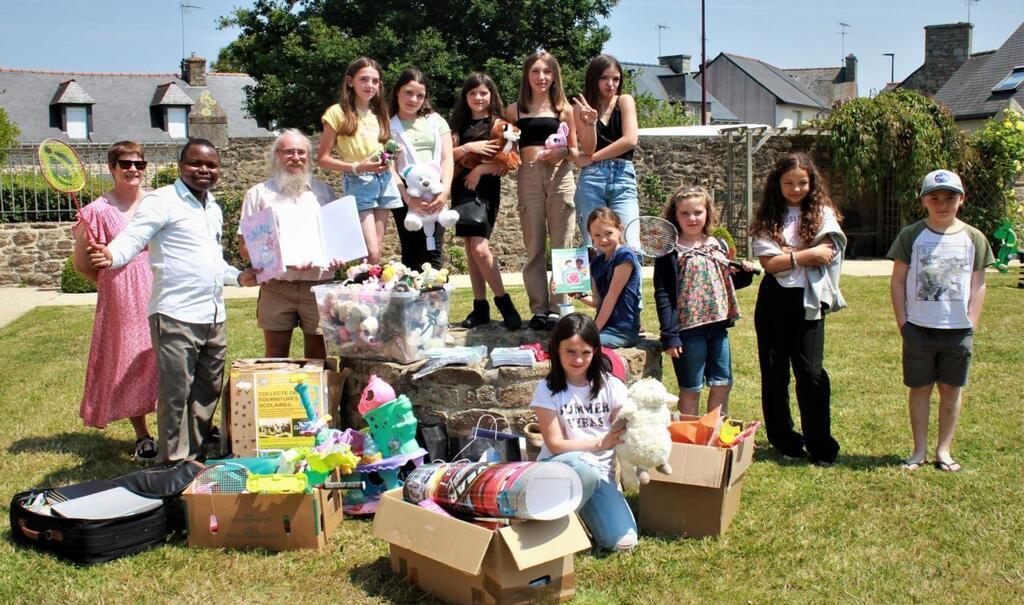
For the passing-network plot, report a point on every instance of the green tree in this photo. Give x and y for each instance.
(9, 133)
(297, 50)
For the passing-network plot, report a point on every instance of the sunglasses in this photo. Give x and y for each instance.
(126, 164)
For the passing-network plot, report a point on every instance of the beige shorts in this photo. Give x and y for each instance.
(283, 305)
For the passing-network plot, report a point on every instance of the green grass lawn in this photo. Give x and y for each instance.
(862, 532)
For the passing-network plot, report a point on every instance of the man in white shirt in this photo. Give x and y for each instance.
(287, 300)
(182, 224)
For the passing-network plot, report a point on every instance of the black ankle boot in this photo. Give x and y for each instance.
(509, 315)
(480, 316)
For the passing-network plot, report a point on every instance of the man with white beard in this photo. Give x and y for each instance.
(287, 300)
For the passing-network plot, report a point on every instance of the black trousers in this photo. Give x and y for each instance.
(785, 339)
(414, 243)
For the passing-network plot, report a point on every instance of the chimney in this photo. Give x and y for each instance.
(677, 63)
(947, 46)
(193, 70)
(850, 71)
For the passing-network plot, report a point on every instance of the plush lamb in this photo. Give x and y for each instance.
(424, 181)
(646, 442)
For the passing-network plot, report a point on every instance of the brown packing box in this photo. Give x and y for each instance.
(701, 495)
(238, 409)
(272, 521)
(459, 562)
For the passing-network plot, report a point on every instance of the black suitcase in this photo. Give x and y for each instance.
(89, 541)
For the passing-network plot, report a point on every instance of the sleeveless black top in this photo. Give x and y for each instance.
(489, 187)
(534, 131)
(606, 135)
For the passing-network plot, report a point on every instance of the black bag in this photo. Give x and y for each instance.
(434, 437)
(472, 210)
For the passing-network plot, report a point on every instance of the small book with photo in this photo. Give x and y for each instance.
(570, 270)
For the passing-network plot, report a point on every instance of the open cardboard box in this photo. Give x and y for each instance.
(701, 495)
(456, 561)
(272, 521)
(260, 406)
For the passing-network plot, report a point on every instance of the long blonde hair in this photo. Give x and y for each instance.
(347, 102)
(555, 93)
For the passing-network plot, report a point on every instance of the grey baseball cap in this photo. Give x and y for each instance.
(941, 179)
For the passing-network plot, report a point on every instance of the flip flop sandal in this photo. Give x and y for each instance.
(948, 467)
(910, 465)
(145, 448)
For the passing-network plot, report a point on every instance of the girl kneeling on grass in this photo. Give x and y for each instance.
(575, 406)
(696, 302)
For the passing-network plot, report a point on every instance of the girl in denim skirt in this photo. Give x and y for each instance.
(357, 128)
(607, 129)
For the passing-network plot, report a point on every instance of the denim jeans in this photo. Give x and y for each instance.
(372, 191)
(611, 184)
(617, 339)
(604, 509)
(705, 359)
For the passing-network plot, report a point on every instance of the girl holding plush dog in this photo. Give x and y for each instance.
(424, 137)
(473, 120)
(545, 180)
(357, 128)
(575, 407)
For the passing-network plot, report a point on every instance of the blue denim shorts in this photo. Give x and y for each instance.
(608, 184)
(706, 358)
(373, 191)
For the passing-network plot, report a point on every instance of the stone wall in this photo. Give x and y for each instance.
(33, 254)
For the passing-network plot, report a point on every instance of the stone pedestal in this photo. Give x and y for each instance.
(459, 395)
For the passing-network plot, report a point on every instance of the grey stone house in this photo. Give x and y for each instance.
(670, 80)
(107, 107)
(760, 93)
(946, 48)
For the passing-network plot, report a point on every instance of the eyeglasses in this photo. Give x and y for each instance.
(296, 152)
(126, 164)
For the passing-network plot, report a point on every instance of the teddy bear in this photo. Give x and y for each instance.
(646, 442)
(504, 135)
(424, 181)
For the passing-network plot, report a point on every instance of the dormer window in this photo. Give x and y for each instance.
(71, 110)
(170, 107)
(1012, 81)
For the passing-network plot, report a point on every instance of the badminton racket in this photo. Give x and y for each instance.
(659, 237)
(63, 170)
(224, 478)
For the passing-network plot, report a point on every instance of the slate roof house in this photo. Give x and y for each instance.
(760, 93)
(946, 48)
(671, 81)
(107, 107)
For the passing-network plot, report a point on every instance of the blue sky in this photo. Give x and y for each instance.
(145, 35)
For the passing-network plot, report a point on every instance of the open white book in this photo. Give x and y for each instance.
(289, 236)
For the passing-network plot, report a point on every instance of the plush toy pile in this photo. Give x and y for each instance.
(387, 312)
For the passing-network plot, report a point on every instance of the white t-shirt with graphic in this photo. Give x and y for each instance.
(582, 417)
(939, 277)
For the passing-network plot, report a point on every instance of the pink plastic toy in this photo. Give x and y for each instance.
(559, 139)
(376, 394)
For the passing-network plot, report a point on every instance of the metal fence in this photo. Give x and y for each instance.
(26, 197)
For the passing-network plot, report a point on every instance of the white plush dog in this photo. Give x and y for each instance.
(424, 181)
(646, 442)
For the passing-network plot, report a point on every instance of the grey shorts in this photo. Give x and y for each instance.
(936, 355)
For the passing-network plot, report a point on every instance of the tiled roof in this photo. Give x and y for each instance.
(776, 81)
(70, 92)
(169, 94)
(664, 84)
(968, 92)
(121, 103)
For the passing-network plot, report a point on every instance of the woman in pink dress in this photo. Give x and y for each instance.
(121, 378)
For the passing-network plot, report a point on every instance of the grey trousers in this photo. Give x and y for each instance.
(190, 366)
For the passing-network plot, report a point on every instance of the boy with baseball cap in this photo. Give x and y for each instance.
(937, 289)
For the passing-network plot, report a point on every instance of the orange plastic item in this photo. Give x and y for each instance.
(695, 430)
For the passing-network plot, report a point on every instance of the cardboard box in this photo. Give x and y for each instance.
(260, 407)
(272, 521)
(701, 495)
(458, 562)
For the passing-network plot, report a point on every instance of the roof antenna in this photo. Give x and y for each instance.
(969, 3)
(842, 35)
(185, 8)
(660, 27)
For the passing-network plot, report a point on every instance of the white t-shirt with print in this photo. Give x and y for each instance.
(582, 417)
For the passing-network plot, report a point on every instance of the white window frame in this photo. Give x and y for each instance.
(76, 122)
(177, 128)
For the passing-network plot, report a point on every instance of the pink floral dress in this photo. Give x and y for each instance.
(121, 378)
(707, 294)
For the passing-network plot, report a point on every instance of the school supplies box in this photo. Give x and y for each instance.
(570, 270)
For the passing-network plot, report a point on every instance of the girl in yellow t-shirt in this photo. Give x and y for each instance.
(356, 128)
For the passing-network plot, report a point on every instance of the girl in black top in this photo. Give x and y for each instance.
(545, 183)
(606, 123)
(476, 195)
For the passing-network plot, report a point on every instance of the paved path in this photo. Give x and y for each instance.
(15, 302)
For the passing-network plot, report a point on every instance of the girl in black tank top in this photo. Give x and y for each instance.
(607, 128)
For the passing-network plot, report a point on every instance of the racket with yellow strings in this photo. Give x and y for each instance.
(64, 171)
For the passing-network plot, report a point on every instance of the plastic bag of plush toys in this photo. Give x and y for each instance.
(386, 312)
